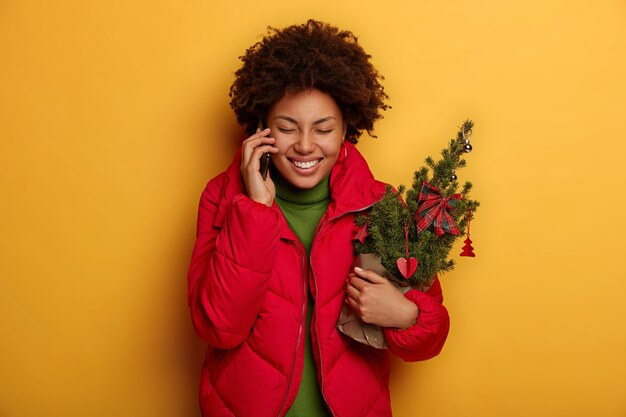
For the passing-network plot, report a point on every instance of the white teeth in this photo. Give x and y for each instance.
(305, 165)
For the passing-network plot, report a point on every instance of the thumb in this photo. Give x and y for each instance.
(371, 276)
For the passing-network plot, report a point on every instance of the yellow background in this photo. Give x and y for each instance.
(113, 115)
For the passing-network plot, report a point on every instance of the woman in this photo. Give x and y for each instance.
(272, 264)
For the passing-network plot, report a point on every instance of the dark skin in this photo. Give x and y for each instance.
(377, 301)
(252, 148)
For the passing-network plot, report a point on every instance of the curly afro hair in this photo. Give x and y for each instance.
(311, 55)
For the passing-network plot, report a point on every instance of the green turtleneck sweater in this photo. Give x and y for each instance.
(303, 210)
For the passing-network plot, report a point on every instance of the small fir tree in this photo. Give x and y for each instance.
(395, 228)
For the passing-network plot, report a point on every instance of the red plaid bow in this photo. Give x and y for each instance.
(433, 207)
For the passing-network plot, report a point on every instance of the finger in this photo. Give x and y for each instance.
(371, 276)
(352, 303)
(250, 144)
(358, 282)
(259, 134)
(255, 139)
(352, 292)
(253, 159)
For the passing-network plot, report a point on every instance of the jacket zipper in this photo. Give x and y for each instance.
(302, 320)
(319, 350)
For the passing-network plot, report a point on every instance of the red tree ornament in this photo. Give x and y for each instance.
(468, 249)
(361, 233)
(407, 266)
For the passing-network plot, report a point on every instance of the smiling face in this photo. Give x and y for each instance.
(309, 129)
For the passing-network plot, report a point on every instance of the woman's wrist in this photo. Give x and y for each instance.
(264, 201)
(409, 318)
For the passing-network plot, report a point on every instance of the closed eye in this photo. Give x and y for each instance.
(280, 129)
(325, 132)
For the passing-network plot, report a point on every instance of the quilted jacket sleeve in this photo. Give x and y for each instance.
(424, 339)
(230, 266)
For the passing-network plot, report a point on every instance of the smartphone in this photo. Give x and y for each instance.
(266, 157)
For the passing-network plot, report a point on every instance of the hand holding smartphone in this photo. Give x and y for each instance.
(266, 157)
(256, 153)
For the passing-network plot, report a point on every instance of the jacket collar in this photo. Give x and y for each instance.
(352, 186)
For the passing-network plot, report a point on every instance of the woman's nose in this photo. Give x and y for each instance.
(305, 143)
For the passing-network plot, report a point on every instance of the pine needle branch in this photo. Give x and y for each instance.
(386, 219)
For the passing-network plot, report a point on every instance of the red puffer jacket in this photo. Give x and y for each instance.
(248, 284)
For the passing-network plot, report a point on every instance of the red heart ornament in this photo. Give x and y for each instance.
(407, 266)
